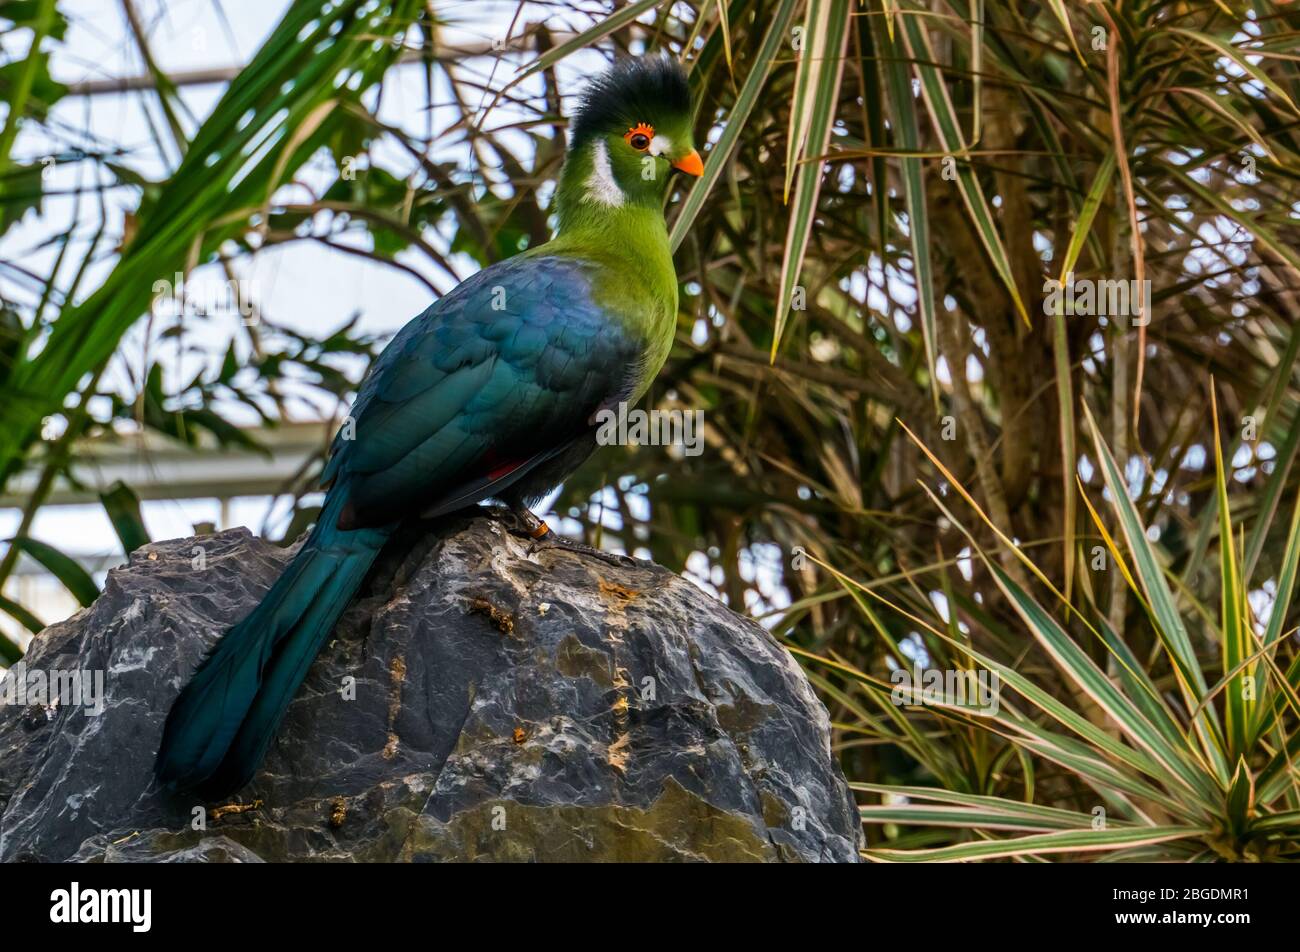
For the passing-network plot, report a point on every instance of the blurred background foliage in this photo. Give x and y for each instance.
(911, 457)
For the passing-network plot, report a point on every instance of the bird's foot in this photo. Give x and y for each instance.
(540, 534)
(613, 558)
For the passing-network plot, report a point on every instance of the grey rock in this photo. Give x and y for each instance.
(479, 701)
(159, 846)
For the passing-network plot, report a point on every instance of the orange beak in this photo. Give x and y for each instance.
(691, 164)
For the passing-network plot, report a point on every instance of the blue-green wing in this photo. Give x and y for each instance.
(495, 377)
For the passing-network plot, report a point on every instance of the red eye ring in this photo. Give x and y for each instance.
(639, 136)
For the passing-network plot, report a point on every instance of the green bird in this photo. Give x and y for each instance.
(490, 394)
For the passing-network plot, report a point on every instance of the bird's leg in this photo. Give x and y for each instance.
(532, 526)
(540, 533)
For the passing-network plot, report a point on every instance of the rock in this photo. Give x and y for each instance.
(478, 702)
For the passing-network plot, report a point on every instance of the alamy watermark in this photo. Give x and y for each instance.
(976, 691)
(57, 687)
(77, 905)
(624, 427)
(208, 297)
(1088, 297)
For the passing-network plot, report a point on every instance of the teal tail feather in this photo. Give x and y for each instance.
(221, 725)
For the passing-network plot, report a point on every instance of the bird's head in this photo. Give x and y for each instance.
(632, 131)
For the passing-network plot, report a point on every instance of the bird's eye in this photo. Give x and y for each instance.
(639, 136)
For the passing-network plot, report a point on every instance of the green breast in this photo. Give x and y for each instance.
(634, 279)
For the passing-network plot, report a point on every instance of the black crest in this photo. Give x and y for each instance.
(631, 90)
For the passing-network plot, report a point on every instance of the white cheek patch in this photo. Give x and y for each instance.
(660, 145)
(601, 186)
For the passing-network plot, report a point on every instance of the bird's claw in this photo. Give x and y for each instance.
(613, 558)
(554, 540)
(539, 534)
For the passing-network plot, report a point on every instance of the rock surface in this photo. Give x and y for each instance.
(478, 702)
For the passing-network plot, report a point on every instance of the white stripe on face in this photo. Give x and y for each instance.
(601, 186)
(660, 145)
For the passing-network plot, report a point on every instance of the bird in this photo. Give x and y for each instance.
(491, 394)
